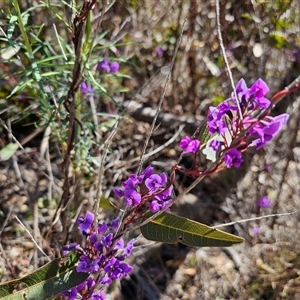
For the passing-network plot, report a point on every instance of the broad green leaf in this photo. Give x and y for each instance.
(8, 151)
(53, 278)
(168, 228)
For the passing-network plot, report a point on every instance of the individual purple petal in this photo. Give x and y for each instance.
(154, 182)
(102, 228)
(259, 88)
(120, 244)
(184, 142)
(147, 172)
(233, 158)
(264, 202)
(132, 181)
(86, 222)
(114, 224)
(268, 129)
(114, 67)
(132, 197)
(241, 90)
(165, 194)
(118, 192)
(154, 206)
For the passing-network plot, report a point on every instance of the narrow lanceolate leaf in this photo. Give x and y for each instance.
(168, 228)
(53, 278)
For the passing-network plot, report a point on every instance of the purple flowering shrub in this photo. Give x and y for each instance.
(234, 126)
(102, 257)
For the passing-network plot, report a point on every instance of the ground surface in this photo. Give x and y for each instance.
(266, 265)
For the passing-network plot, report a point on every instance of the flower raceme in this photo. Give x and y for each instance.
(232, 118)
(103, 257)
(148, 190)
(103, 254)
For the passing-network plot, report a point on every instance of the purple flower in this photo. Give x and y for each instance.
(233, 158)
(86, 285)
(87, 265)
(158, 204)
(116, 269)
(71, 294)
(98, 295)
(252, 98)
(268, 129)
(132, 197)
(108, 67)
(85, 222)
(155, 181)
(129, 247)
(114, 224)
(215, 144)
(107, 240)
(264, 202)
(259, 89)
(104, 66)
(159, 51)
(105, 280)
(216, 126)
(118, 192)
(256, 230)
(147, 172)
(85, 88)
(114, 67)
(188, 145)
(241, 90)
(102, 228)
(70, 247)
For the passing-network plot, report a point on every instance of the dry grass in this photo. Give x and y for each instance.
(267, 265)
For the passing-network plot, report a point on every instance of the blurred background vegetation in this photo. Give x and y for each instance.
(37, 59)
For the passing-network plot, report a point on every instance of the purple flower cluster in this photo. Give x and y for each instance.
(108, 67)
(225, 123)
(103, 256)
(147, 189)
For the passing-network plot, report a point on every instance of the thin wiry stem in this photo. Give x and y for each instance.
(229, 73)
(255, 219)
(160, 100)
(36, 244)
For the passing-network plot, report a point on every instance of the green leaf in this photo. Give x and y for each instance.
(53, 278)
(168, 228)
(8, 151)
